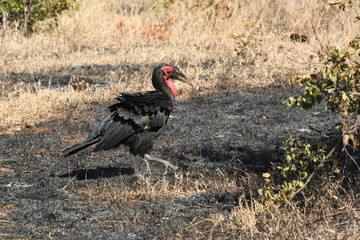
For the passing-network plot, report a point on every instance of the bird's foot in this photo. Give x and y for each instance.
(166, 163)
(139, 177)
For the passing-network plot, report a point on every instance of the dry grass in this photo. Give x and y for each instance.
(332, 215)
(29, 108)
(119, 32)
(185, 184)
(248, 42)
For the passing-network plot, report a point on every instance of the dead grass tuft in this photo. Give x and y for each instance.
(28, 108)
(185, 184)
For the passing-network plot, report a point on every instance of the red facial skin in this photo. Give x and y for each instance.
(167, 70)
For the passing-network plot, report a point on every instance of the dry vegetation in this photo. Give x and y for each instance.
(246, 44)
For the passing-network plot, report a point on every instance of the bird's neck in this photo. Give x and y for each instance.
(168, 93)
(165, 86)
(170, 85)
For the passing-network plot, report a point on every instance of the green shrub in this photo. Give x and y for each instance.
(24, 14)
(296, 171)
(337, 82)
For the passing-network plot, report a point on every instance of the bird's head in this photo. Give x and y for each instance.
(164, 74)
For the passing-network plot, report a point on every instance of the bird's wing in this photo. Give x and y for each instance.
(133, 112)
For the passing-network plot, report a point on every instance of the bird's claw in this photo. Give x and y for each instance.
(166, 163)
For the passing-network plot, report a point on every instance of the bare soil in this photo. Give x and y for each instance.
(234, 134)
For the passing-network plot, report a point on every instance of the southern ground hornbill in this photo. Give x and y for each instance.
(137, 119)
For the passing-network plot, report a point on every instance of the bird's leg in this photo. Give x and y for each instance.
(166, 163)
(136, 167)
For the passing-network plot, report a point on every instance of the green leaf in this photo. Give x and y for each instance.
(266, 175)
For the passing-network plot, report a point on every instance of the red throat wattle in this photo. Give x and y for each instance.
(171, 85)
(167, 70)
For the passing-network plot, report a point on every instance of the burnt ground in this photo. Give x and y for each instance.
(44, 196)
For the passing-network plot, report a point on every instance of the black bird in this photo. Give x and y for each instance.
(137, 119)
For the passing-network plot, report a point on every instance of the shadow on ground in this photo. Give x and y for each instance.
(96, 173)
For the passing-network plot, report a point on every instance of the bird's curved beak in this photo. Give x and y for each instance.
(178, 75)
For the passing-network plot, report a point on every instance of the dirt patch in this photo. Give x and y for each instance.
(214, 139)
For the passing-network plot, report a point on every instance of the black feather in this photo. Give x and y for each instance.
(135, 120)
(133, 114)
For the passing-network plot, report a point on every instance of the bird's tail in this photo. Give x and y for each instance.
(78, 147)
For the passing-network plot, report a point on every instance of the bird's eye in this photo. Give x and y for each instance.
(167, 70)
